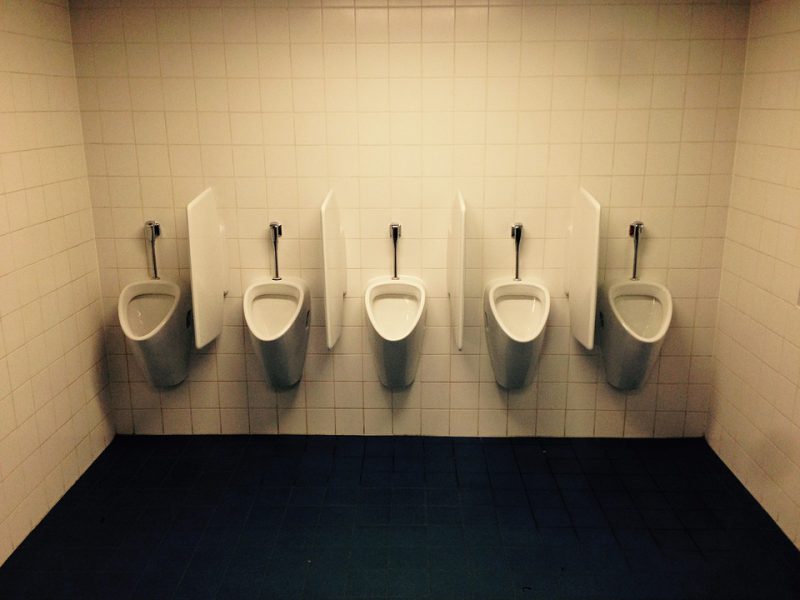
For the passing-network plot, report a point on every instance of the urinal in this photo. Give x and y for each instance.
(633, 319)
(396, 325)
(155, 317)
(515, 315)
(277, 313)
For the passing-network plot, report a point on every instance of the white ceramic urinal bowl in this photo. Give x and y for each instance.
(515, 315)
(396, 323)
(155, 316)
(277, 313)
(634, 318)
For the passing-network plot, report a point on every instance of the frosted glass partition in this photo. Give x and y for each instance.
(456, 264)
(581, 278)
(209, 265)
(334, 265)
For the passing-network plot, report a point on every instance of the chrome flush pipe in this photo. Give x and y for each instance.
(395, 231)
(516, 233)
(634, 231)
(276, 230)
(152, 229)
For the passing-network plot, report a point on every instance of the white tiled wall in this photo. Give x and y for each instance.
(54, 414)
(755, 424)
(395, 108)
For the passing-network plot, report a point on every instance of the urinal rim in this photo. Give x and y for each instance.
(249, 296)
(664, 296)
(414, 282)
(129, 293)
(491, 291)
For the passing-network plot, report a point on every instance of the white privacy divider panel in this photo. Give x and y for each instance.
(209, 264)
(334, 265)
(456, 264)
(580, 282)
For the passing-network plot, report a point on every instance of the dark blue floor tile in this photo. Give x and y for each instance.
(532, 461)
(302, 515)
(163, 573)
(307, 496)
(474, 479)
(443, 515)
(634, 539)
(337, 516)
(282, 580)
(367, 583)
(614, 499)
(595, 537)
(409, 463)
(547, 498)
(407, 557)
(350, 517)
(273, 496)
(505, 480)
(376, 478)
(605, 482)
(448, 557)
(407, 515)
(370, 536)
(474, 497)
(590, 465)
(519, 536)
(370, 557)
(551, 517)
(441, 480)
(448, 496)
(373, 515)
(660, 518)
(267, 517)
(514, 516)
(588, 517)
(408, 496)
(251, 555)
(15, 583)
(342, 496)
(622, 518)
(510, 497)
(294, 536)
(375, 496)
(541, 480)
(333, 535)
(557, 536)
(407, 536)
(487, 534)
(452, 583)
(479, 515)
(579, 499)
(492, 583)
(572, 481)
(445, 535)
(672, 540)
(713, 540)
(408, 583)
(564, 465)
(698, 519)
(378, 463)
(408, 478)
(680, 500)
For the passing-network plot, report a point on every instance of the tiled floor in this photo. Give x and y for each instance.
(321, 517)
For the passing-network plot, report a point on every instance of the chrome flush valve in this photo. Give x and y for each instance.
(516, 233)
(276, 230)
